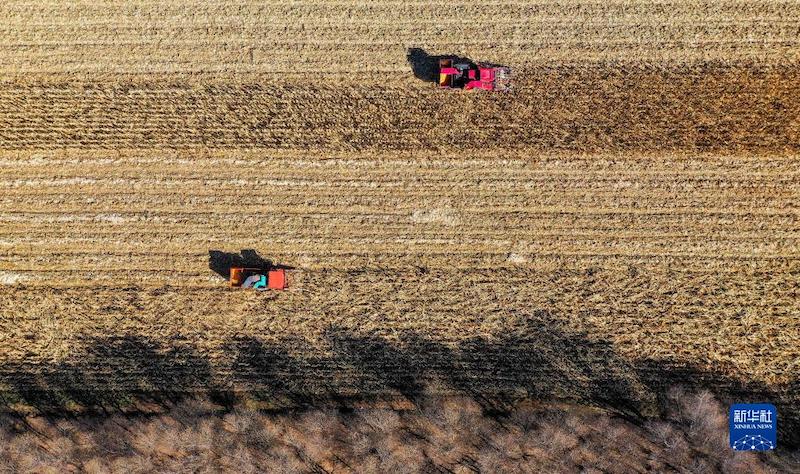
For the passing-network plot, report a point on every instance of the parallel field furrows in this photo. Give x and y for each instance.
(116, 218)
(309, 37)
(145, 279)
(448, 306)
(144, 272)
(520, 161)
(382, 249)
(579, 109)
(18, 242)
(536, 169)
(626, 220)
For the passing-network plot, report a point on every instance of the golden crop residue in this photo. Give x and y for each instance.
(624, 220)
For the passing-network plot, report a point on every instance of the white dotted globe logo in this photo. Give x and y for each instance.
(752, 443)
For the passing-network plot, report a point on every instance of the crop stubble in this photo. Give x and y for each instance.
(625, 220)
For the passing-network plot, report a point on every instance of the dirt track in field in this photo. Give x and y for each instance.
(624, 221)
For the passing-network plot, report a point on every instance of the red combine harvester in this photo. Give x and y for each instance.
(468, 76)
(258, 278)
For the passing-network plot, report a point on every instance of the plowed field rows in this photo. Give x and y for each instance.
(626, 220)
(113, 216)
(346, 38)
(586, 108)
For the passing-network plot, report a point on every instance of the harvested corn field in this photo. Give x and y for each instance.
(344, 38)
(623, 221)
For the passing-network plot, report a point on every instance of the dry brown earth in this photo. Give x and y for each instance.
(624, 221)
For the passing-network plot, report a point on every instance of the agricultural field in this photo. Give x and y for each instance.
(624, 221)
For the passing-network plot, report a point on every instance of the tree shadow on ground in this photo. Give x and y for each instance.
(278, 374)
(535, 357)
(108, 374)
(537, 360)
(221, 262)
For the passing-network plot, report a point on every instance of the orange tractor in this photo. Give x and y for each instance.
(247, 269)
(258, 279)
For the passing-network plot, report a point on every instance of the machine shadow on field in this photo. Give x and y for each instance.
(535, 357)
(426, 66)
(221, 262)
